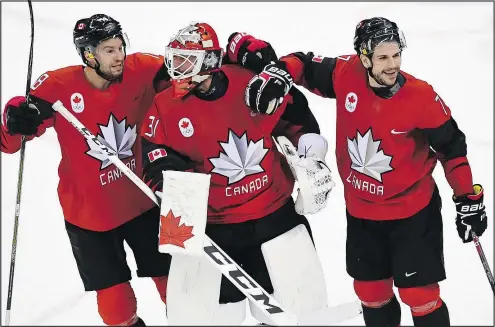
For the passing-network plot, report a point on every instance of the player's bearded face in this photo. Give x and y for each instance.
(386, 63)
(111, 54)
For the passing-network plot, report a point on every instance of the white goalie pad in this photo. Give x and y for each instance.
(183, 212)
(296, 273)
(313, 176)
(193, 292)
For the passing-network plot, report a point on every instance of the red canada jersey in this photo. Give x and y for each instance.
(383, 160)
(93, 193)
(386, 146)
(225, 139)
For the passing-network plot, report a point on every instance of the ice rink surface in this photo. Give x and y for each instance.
(450, 45)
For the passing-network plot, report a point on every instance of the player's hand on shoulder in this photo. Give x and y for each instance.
(22, 118)
(251, 53)
(265, 92)
(471, 215)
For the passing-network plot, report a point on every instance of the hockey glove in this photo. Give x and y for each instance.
(266, 91)
(312, 174)
(249, 52)
(21, 118)
(471, 214)
(152, 173)
(156, 159)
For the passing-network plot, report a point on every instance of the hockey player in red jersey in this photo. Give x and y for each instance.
(102, 208)
(392, 128)
(202, 124)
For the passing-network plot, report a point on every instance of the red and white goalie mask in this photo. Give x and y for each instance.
(191, 56)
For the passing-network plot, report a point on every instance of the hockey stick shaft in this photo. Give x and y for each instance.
(19, 181)
(228, 267)
(484, 262)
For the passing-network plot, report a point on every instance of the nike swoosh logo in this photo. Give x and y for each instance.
(409, 275)
(397, 132)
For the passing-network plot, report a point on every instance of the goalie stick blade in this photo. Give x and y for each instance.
(331, 315)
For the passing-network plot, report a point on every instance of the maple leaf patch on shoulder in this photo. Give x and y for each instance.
(171, 232)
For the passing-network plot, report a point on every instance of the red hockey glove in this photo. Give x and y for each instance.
(249, 52)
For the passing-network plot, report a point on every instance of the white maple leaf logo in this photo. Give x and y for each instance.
(240, 158)
(365, 157)
(117, 138)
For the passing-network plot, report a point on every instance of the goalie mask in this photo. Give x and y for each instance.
(191, 56)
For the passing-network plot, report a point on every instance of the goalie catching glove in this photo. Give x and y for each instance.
(310, 170)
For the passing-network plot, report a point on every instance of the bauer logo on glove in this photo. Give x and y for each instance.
(471, 214)
(265, 91)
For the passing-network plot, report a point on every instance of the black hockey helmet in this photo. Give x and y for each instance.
(373, 31)
(89, 32)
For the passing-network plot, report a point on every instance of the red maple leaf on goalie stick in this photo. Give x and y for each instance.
(171, 232)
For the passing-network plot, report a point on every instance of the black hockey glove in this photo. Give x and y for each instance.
(21, 118)
(156, 159)
(249, 52)
(266, 91)
(471, 214)
(152, 174)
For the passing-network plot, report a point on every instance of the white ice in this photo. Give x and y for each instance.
(450, 45)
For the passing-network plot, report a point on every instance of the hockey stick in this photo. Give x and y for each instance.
(486, 266)
(229, 268)
(19, 179)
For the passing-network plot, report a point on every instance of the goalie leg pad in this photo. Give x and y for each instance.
(295, 271)
(193, 293)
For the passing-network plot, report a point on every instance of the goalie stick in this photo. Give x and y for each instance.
(228, 267)
(19, 179)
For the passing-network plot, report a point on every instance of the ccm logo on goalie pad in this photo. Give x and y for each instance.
(241, 279)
